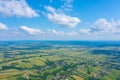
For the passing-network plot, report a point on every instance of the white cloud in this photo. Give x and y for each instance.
(61, 18)
(3, 27)
(50, 9)
(84, 31)
(17, 8)
(72, 33)
(31, 31)
(67, 6)
(79, 32)
(102, 25)
(54, 32)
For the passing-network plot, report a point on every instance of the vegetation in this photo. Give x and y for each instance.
(59, 60)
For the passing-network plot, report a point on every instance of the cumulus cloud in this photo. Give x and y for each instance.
(102, 27)
(61, 18)
(31, 31)
(17, 8)
(54, 32)
(106, 26)
(3, 27)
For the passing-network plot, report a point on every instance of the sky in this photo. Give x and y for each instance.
(59, 19)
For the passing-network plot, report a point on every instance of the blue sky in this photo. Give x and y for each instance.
(59, 20)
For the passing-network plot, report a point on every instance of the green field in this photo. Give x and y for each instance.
(50, 60)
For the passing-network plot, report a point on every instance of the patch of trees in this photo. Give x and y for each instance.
(106, 52)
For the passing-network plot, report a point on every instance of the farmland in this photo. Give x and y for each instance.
(59, 60)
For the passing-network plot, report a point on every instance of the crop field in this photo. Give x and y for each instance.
(59, 60)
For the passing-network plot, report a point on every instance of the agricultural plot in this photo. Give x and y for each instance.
(59, 60)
